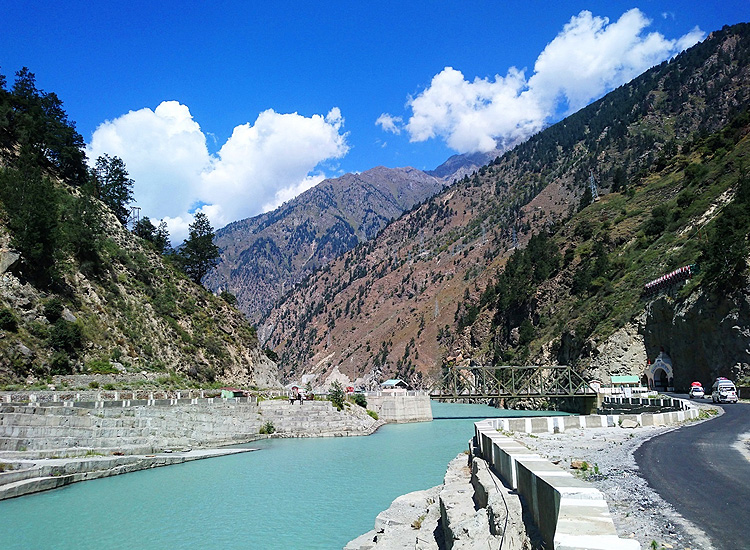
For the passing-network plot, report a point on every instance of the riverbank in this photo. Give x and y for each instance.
(312, 493)
(24, 477)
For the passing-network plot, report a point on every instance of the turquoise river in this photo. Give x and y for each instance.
(311, 493)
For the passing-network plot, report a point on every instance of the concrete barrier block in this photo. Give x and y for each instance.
(537, 425)
(594, 542)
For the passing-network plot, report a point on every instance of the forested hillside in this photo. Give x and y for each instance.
(521, 263)
(79, 293)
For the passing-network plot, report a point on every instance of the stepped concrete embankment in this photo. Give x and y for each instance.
(30, 476)
(103, 438)
(151, 426)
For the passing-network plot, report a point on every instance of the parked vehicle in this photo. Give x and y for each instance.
(723, 391)
(696, 392)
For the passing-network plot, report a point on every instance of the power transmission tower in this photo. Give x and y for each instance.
(592, 183)
(134, 217)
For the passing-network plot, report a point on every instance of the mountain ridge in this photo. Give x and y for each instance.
(417, 296)
(266, 255)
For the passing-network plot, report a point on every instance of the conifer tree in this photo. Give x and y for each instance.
(198, 253)
(113, 186)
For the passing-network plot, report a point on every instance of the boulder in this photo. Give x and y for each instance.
(8, 259)
(628, 423)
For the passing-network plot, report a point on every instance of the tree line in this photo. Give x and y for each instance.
(51, 223)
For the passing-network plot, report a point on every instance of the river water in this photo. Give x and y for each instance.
(311, 493)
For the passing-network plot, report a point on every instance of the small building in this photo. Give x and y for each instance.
(228, 393)
(394, 385)
(660, 373)
(625, 384)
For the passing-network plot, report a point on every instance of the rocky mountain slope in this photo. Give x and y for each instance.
(79, 293)
(518, 263)
(265, 256)
(139, 314)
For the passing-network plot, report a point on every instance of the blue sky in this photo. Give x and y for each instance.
(237, 106)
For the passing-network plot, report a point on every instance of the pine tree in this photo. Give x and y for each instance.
(198, 253)
(113, 186)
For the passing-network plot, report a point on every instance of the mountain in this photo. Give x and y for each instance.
(458, 166)
(265, 256)
(520, 262)
(79, 293)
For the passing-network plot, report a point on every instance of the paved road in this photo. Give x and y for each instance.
(699, 471)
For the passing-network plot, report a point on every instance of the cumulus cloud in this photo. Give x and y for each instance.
(260, 166)
(589, 57)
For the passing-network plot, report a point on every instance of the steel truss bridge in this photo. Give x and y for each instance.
(488, 382)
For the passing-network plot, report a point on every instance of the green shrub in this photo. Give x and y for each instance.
(40, 330)
(267, 428)
(100, 366)
(8, 320)
(373, 414)
(360, 399)
(66, 336)
(93, 384)
(60, 364)
(53, 309)
(228, 297)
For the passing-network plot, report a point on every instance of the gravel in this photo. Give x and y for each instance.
(638, 511)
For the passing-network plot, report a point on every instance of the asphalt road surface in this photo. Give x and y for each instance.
(699, 470)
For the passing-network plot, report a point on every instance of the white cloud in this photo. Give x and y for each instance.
(589, 57)
(259, 166)
(390, 123)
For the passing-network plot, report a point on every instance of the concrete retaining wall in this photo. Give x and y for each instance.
(395, 408)
(570, 514)
(557, 424)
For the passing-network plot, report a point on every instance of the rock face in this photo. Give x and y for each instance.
(137, 313)
(623, 353)
(472, 509)
(706, 336)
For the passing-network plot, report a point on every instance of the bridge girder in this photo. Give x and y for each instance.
(512, 381)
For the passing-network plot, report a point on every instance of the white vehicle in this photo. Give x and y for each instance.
(696, 392)
(723, 391)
